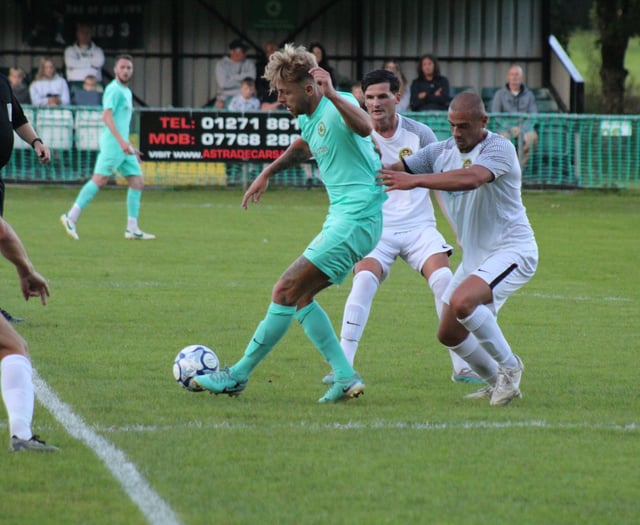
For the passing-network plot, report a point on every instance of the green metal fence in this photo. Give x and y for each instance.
(581, 151)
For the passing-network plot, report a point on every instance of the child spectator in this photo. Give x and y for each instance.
(246, 100)
(89, 94)
(20, 89)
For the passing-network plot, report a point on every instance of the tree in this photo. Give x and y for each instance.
(616, 21)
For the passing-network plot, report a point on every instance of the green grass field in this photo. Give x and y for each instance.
(411, 450)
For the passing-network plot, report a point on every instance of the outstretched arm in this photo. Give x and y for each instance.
(454, 180)
(32, 283)
(296, 153)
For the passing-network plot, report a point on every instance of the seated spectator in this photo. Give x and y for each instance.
(49, 88)
(405, 92)
(321, 58)
(20, 89)
(430, 90)
(268, 97)
(84, 57)
(246, 100)
(515, 97)
(231, 71)
(89, 95)
(356, 91)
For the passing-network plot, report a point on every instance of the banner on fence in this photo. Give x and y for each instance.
(211, 136)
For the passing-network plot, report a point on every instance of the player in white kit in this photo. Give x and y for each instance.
(409, 224)
(479, 178)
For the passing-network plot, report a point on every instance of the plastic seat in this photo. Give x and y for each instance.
(55, 126)
(88, 126)
(18, 143)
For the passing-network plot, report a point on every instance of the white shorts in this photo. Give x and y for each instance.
(414, 247)
(504, 272)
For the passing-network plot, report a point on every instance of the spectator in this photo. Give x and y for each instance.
(18, 86)
(49, 88)
(430, 90)
(405, 92)
(268, 98)
(89, 94)
(246, 100)
(515, 97)
(84, 57)
(356, 91)
(321, 57)
(231, 71)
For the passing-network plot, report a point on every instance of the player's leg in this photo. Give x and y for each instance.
(366, 280)
(16, 384)
(106, 162)
(300, 280)
(130, 168)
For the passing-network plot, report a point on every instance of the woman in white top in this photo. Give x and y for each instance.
(49, 88)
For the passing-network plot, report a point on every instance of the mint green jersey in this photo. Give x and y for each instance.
(119, 100)
(348, 163)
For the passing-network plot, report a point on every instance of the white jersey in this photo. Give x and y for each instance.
(491, 218)
(406, 210)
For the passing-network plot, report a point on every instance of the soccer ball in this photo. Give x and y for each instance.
(192, 361)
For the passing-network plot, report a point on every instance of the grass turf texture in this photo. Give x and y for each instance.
(411, 450)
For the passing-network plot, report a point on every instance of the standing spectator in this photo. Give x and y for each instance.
(337, 131)
(479, 177)
(49, 88)
(116, 154)
(515, 97)
(84, 57)
(231, 71)
(430, 90)
(404, 91)
(409, 224)
(246, 100)
(89, 94)
(16, 372)
(18, 85)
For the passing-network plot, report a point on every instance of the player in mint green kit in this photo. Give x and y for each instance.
(116, 154)
(335, 130)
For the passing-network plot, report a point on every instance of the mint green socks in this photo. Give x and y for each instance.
(87, 193)
(320, 331)
(269, 332)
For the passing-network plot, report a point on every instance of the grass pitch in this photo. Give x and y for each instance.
(411, 450)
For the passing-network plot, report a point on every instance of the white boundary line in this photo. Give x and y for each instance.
(152, 506)
(378, 425)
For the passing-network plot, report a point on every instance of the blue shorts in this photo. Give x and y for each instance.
(342, 243)
(110, 161)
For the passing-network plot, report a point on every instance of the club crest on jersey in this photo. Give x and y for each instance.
(466, 163)
(322, 129)
(404, 152)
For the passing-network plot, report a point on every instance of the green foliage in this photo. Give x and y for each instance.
(584, 51)
(411, 450)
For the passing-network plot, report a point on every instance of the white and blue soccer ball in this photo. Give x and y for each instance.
(193, 361)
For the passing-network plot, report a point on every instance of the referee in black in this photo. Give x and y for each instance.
(12, 118)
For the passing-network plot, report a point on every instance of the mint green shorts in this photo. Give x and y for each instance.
(342, 243)
(110, 161)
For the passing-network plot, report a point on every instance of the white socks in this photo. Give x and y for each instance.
(18, 394)
(483, 324)
(477, 358)
(356, 312)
